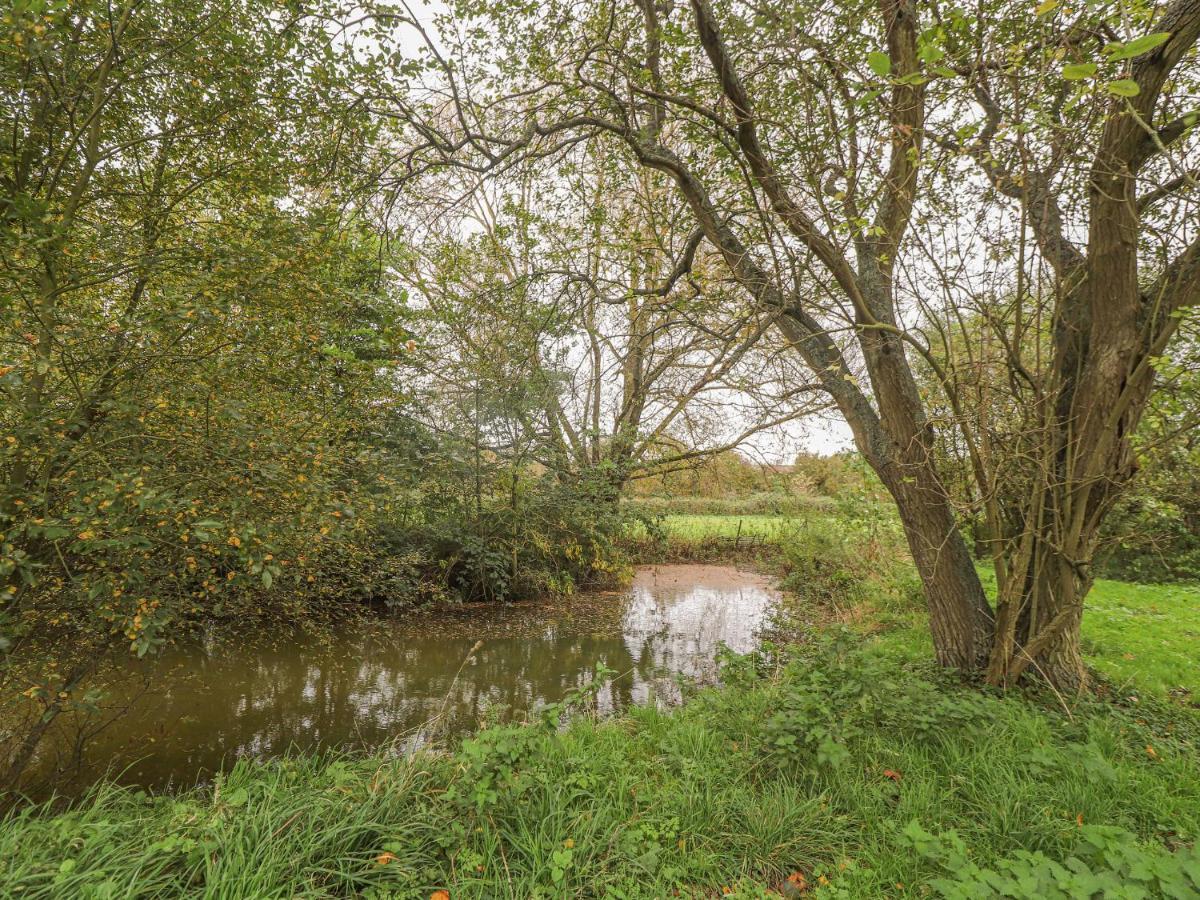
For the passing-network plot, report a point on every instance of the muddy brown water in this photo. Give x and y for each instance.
(189, 712)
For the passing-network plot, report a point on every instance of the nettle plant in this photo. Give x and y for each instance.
(834, 692)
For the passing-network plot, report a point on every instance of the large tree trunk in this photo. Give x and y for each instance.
(1073, 459)
(959, 615)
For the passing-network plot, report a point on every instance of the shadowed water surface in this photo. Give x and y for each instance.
(380, 682)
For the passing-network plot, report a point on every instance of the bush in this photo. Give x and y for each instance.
(847, 559)
(550, 541)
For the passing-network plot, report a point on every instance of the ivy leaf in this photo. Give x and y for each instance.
(880, 63)
(1078, 71)
(1124, 87)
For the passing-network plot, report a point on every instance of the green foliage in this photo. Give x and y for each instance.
(210, 373)
(494, 760)
(1153, 533)
(833, 695)
(1108, 861)
(848, 559)
(721, 477)
(844, 476)
(543, 539)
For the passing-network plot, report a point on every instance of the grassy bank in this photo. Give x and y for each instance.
(844, 764)
(865, 776)
(1142, 637)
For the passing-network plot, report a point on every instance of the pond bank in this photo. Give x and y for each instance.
(831, 766)
(399, 682)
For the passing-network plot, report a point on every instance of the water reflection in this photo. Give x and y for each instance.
(197, 710)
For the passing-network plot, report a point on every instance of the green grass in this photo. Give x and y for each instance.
(1146, 636)
(702, 527)
(697, 800)
(850, 760)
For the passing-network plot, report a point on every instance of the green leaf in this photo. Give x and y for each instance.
(236, 797)
(1124, 87)
(1046, 7)
(880, 63)
(1077, 71)
(1137, 46)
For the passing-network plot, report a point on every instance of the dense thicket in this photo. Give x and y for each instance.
(215, 401)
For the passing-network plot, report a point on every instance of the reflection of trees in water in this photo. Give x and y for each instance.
(677, 630)
(384, 683)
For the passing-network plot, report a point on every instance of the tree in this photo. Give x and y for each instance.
(834, 155)
(188, 330)
(562, 306)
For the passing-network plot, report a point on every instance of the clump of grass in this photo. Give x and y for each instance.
(839, 762)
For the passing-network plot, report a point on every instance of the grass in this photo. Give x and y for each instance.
(1142, 637)
(847, 763)
(701, 800)
(702, 527)
(1145, 635)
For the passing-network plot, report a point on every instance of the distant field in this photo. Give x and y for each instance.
(699, 527)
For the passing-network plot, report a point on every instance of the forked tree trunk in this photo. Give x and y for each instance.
(1105, 334)
(1038, 619)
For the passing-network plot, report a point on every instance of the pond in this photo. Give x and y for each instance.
(190, 711)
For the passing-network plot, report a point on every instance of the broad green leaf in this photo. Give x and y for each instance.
(1138, 46)
(1077, 71)
(880, 63)
(236, 797)
(1124, 87)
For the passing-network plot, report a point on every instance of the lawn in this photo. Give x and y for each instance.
(1145, 635)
